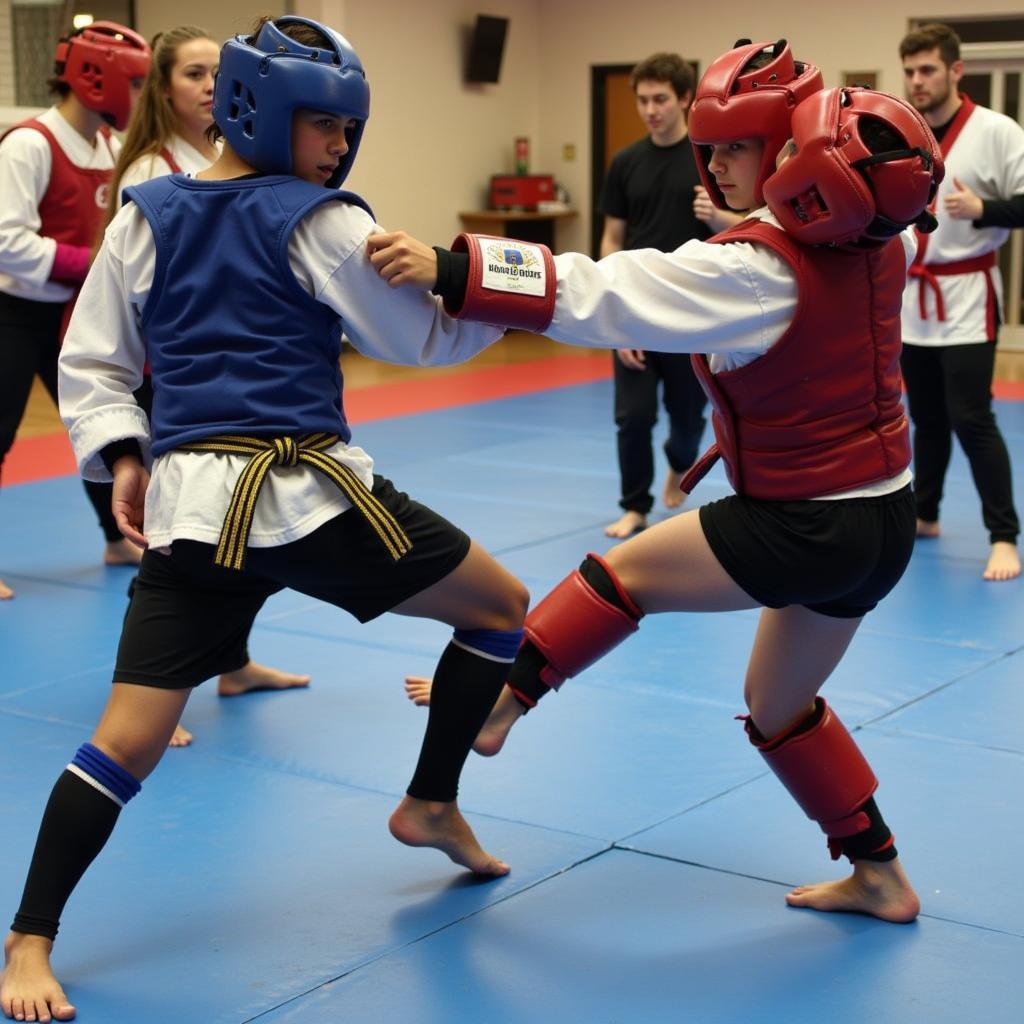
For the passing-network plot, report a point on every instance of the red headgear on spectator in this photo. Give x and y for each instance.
(99, 63)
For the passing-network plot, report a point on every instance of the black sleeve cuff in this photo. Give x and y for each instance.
(116, 449)
(452, 276)
(1001, 213)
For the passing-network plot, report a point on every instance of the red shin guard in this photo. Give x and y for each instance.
(824, 771)
(574, 626)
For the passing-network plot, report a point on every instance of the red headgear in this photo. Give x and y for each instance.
(99, 63)
(733, 104)
(838, 187)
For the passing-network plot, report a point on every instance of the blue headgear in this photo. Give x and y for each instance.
(263, 81)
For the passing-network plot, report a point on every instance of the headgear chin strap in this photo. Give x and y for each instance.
(99, 64)
(262, 81)
(735, 102)
(835, 190)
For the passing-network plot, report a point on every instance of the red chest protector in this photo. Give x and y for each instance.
(75, 201)
(821, 411)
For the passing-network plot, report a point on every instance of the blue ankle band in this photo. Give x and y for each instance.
(495, 644)
(93, 766)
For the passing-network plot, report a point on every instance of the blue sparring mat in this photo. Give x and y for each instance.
(254, 878)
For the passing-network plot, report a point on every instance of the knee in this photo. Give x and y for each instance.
(635, 426)
(511, 612)
(627, 574)
(769, 716)
(137, 757)
(969, 424)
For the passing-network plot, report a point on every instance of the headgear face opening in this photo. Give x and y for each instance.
(261, 82)
(866, 166)
(734, 103)
(99, 64)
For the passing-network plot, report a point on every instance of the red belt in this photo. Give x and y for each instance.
(929, 273)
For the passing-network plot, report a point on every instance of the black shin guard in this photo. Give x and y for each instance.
(874, 843)
(465, 689)
(524, 678)
(76, 824)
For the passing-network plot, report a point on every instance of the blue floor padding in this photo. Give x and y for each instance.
(628, 938)
(954, 809)
(245, 886)
(985, 708)
(254, 878)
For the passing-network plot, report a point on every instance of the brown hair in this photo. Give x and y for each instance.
(933, 36)
(665, 67)
(153, 122)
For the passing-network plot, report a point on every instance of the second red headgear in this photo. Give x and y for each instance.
(734, 101)
(866, 166)
(99, 63)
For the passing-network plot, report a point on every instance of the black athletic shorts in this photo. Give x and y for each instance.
(188, 619)
(839, 558)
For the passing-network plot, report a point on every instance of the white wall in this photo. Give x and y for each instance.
(433, 142)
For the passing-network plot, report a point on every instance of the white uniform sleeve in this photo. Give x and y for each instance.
(727, 299)
(145, 168)
(909, 240)
(102, 360)
(396, 325)
(25, 164)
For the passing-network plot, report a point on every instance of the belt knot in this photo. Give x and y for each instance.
(287, 451)
(311, 450)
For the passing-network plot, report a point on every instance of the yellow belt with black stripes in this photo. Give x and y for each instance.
(286, 451)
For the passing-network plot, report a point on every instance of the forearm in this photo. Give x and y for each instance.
(693, 300)
(26, 256)
(1001, 213)
(452, 277)
(101, 366)
(406, 325)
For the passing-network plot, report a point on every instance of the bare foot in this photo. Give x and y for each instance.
(181, 737)
(254, 678)
(441, 826)
(491, 737)
(5, 592)
(927, 528)
(417, 689)
(672, 496)
(1003, 563)
(627, 525)
(122, 552)
(29, 990)
(881, 890)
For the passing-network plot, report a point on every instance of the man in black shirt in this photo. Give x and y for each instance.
(648, 201)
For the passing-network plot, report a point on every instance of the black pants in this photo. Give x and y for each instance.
(949, 390)
(30, 345)
(636, 412)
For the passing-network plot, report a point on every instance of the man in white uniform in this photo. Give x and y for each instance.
(953, 303)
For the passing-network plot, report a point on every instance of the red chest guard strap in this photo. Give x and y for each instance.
(824, 771)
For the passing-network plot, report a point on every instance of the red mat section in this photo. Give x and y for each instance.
(49, 455)
(37, 458)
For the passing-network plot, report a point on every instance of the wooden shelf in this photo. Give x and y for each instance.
(526, 226)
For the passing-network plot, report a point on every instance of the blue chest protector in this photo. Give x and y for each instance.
(235, 344)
